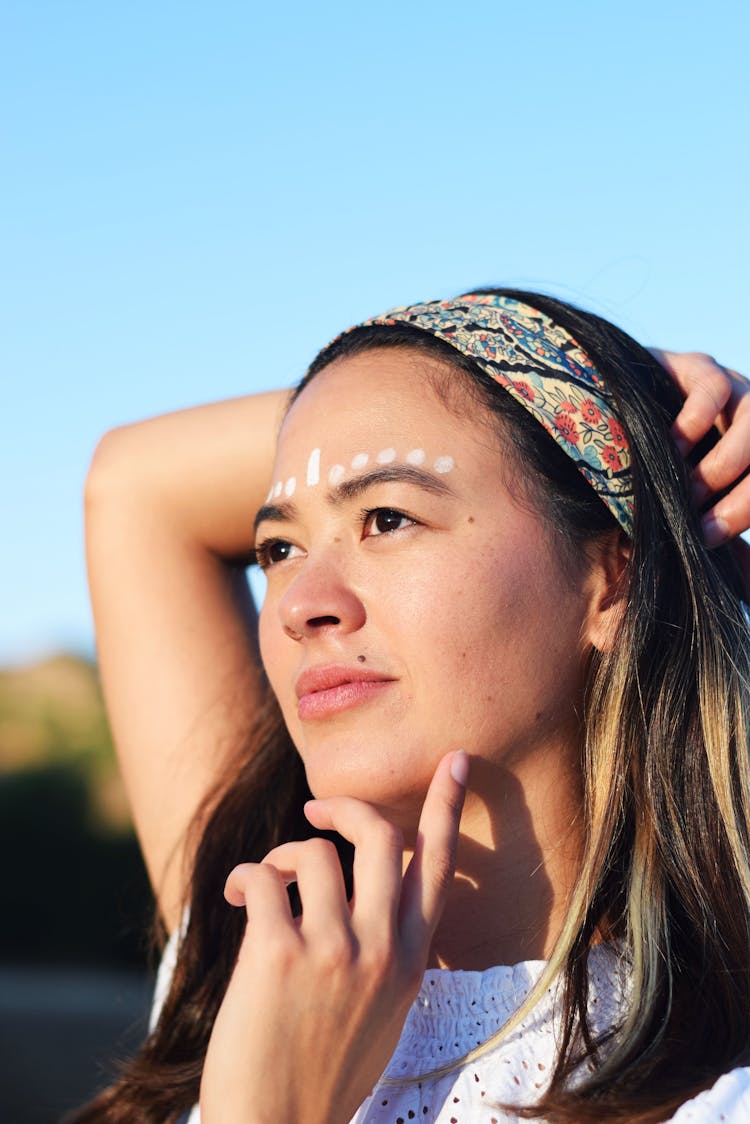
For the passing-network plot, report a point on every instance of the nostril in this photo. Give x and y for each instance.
(321, 622)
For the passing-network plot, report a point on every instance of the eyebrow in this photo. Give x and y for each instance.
(350, 489)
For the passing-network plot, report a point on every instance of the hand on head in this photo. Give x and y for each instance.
(716, 396)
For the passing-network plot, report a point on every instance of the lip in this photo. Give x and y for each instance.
(328, 690)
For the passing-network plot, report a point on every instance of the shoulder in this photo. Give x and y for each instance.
(728, 1100)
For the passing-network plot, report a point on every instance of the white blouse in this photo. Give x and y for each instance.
(456, 1011)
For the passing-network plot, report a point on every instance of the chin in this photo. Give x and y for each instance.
(397, 792)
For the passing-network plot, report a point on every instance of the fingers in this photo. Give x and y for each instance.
(314, 865)
(715, 396)
(707, 388)
(412, 904)
(378, 852)
(430, 873)
(262, 891)
(730, 516)
(386, 906)
(728, 460)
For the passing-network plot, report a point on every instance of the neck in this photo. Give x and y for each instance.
(518, 857)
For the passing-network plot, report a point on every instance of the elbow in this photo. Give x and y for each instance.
(109, 471)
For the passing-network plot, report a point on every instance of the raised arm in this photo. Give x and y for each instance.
(169, 509)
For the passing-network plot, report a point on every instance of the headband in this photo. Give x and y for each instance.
(544, 369)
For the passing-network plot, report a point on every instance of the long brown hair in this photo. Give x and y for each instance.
(666, 814)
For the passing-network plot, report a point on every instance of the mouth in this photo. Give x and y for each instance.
(325, 691)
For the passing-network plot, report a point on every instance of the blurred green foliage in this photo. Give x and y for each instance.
(74, 886)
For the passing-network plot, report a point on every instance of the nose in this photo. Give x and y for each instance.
(318, 601)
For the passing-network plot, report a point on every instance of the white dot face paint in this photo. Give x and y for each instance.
(313, 468)
(269, 497)
(338, 472)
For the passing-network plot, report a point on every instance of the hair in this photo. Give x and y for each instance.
(665, 871)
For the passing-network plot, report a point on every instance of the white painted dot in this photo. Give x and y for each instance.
(290, 485)
(277, 489)
(443, 464)
(359, 461)
(415, 456)
(385, 456)
(269, 497)
(336, 474)
(313, 468)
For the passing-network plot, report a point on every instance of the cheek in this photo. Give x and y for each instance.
(280, 663)
(503, 641)
(266, 639)
(276, 650)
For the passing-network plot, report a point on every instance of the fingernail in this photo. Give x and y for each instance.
(460, 767)
(715, 531)
(683, 445)
(701, 492)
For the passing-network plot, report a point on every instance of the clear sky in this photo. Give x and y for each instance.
(197, 195)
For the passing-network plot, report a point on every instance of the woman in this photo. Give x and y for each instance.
(478, 537)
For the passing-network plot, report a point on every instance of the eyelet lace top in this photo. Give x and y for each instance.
(456, 1011)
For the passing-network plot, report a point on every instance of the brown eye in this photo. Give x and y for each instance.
(278, 551)
(272, 551)
(385, 519)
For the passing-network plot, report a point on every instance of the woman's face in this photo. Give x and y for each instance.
(413, 605)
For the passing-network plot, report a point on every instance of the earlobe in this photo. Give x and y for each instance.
(608, 590)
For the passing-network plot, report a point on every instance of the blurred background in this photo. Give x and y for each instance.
(196, 197)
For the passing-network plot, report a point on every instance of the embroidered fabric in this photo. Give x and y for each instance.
(547, 372)
(456, 1011)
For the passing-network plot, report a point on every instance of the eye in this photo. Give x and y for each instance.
(384, 520)
(272, 551)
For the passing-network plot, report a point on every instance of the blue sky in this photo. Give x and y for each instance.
(196, 196)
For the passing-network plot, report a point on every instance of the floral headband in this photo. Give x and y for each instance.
(547, 372)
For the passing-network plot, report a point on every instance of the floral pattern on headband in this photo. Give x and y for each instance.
(540, 365)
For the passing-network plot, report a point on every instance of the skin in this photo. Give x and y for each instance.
(169, 510)
(715, 396)
(466, 584)
(463, 599)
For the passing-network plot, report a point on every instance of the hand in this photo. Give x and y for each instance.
(714, 396)
(316, 1004)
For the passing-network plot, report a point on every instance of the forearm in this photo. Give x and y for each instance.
(169, 510)
(205, 469)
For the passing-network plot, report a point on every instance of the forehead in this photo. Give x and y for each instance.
(385, 395)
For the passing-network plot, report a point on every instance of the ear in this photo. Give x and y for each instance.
(608, 590)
